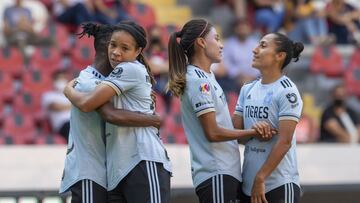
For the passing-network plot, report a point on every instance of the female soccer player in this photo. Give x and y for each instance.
(85, 164)
(270, 168)
(215, 157)
(138, 169)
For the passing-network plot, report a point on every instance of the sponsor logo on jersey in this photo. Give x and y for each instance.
(292, 98)
(117, 72)
(205, 88)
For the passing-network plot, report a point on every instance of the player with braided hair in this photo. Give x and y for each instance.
(85, 164)
(137, 161)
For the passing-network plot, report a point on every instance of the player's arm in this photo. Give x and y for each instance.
(281, 147)
(128, 118)
(215, 133)
(89, 101)
(333, 126)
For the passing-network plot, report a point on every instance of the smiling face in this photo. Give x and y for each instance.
(213, 46)
(122, 48)
(265, 54)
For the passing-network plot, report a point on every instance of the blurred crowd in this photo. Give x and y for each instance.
(50, 27)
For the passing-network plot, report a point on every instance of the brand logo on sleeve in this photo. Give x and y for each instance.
(205, 88)
(291, 97)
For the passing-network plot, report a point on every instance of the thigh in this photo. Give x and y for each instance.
(218, 189)
(88, 191)
(149, 179)
(288, 193)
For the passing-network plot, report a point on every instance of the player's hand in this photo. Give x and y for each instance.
(159, 121)
(258, 191)
(264, 130)
(69, 86)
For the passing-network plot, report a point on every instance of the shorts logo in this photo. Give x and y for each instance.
(292, 98)
(205, 88)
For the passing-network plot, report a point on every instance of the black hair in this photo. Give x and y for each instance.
(292, 49)
(139, 34)
(181, 51)
(101, 34)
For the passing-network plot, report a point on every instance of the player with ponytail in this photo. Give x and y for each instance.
(136, 159)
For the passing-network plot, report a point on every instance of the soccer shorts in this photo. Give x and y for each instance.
(87, 191)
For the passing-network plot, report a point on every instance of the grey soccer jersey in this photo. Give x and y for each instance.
(273, 102)
(202, 95)
(85, 157)
(127, 146)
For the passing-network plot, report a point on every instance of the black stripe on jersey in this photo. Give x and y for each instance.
(200, 74)
(285, 115)
(286, 83)
(204, 109)
(115, 85)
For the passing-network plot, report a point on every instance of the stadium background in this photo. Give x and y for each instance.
(32, 156)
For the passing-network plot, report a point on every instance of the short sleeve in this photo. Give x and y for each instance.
(122, 78)
(239, 108)
(290, 104)
(199, 92)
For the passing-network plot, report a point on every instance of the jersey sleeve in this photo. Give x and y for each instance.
(122, 78)
(239, 108)
(200, 96)
(290, 104)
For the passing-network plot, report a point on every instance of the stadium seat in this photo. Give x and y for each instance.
(61, 34)
(6, 87)
(327, 60)
(36, 81)
(83, 53)
(166, 31)
(160, 105)
(50, 139)
(352, 74)
(232, 100)
(27, 103)
(175, 106)
(18, 124)
(11, 61)
(142, 13)
(46, 59)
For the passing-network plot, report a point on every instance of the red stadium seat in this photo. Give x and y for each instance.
(36, 81)
(327, 60)
(46, 59)
(50, 139)
(160, 107)
(167, 30)
(6, 86)
(61, 34)
(352, 74)
(175, 107)
(232, 100)
(18, 124)
(142, 13)
(83, 53)
(27, 103)
(11, 61)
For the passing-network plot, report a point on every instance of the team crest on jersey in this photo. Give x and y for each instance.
(205, 88)
(117, 72)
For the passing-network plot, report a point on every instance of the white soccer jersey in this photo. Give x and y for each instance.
(85, 157)
(202, 95)
(273, 102)
(127, 146)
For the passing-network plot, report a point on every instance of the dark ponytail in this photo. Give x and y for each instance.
(177, 66)
(101, 34)
(292, 50)
(141, 58)
(139, 34)
(181, 51)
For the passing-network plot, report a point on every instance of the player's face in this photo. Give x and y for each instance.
(122, 48)
(265, 54)
(214, 47)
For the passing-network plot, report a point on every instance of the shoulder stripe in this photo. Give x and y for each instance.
(286, 83)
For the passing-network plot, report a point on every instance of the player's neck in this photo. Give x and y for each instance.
(270, 76)
(202, 63)
(102, 67)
